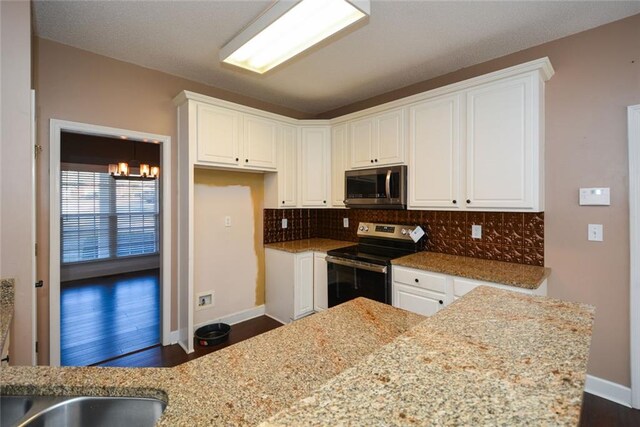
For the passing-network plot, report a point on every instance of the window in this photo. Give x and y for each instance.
(103, 218)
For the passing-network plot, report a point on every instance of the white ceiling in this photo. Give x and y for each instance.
(404, 42)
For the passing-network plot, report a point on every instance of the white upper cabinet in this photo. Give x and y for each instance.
(390, 137)
(434, 153)
(362, 143)
(378, 140)
(259, 142)
(288, 166)
(217, 135)
(503, 145)
(339, 163)
(315, 166)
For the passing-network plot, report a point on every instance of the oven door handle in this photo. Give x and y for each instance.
(357, 264)
(387, 184)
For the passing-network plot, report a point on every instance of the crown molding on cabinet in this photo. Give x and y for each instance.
(542, 66)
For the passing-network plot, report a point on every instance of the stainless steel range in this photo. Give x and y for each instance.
(364, 270)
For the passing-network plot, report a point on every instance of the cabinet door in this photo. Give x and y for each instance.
(217, 135)
(417, 300)
(389, 141)
(361, 142)
(315, 173)
(288, 166)
(434, 159)
(303, 288)
(260, 142)
(339, 154)
(320, 290)
(500, 153)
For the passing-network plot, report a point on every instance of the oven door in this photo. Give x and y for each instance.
(348, 279)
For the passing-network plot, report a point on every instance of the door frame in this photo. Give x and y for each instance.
(633, 114)
(56, 127)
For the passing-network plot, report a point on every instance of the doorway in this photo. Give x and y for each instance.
(110, 245)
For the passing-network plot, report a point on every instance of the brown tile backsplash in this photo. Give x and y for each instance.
(506, 236)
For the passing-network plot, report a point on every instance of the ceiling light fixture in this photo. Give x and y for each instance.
(288, 28)
(122, 170)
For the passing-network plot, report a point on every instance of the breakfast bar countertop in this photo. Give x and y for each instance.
(7, 294)
(493, 357)
(507, 273)
(305, 245)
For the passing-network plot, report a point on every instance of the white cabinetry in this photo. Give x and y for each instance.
(503, 144)
(479, 148)
(320, 282)
(259, 142)
(378, 140)
(425, 293)
(289, 284)
(217, 135)
(339, 163)
(434, 153)
(296, 284)
(281, 188)
(315, 163)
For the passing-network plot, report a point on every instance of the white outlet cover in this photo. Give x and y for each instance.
(285, 223)
(345, 222)
(208, 297)
(476, 231)
(227, 221)
(596, 233)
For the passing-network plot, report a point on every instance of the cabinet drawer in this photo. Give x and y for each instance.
(417, 300)
(422, 279)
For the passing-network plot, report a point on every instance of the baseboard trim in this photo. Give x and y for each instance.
(608, 390)
(234, 318)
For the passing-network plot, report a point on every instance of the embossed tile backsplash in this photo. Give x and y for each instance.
(506, 236)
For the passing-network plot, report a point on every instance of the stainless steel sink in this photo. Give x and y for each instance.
(53, 411)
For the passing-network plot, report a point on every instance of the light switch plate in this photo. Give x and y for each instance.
(476, 231)
(345, 222)
(595, 196)
(285, 223)
(596, 233)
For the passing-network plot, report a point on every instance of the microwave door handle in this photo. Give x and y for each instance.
(388, 184)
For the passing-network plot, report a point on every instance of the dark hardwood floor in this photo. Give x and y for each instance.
(105, 317)
(173, 355)
(599, 412)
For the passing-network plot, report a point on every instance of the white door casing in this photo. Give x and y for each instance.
(56, 127)
(634, 248)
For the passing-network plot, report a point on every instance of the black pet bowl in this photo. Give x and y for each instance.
(213, 334)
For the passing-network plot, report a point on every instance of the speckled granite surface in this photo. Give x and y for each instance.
(492, 358)
(508, 273)
(242, 384)
(6, 308)
(318, 245)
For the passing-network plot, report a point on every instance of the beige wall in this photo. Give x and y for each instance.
(15, 173)
(228, 260)
(80, 86)
(597, 77)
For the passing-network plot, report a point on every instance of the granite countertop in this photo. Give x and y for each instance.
(7, 293)
(242, 384)
(508, 273)
(305, 245)
(493, 357)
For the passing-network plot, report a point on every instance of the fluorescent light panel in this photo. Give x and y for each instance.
(276, 36)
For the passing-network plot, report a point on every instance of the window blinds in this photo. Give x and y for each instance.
(103, 218)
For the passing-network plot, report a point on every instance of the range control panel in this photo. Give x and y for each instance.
(386, 231)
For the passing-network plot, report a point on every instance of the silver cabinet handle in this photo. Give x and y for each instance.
(388, 184)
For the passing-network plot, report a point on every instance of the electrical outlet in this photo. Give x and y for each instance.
(476, 231)
(345, 222)
(205, 300)
(285, 223)
(595, 233)
(227, 221)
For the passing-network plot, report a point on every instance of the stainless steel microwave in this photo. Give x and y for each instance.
(376, 188)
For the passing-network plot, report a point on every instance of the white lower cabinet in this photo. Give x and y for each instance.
(425, 293)
(417, 300)
(320, 282)
(295, 285)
